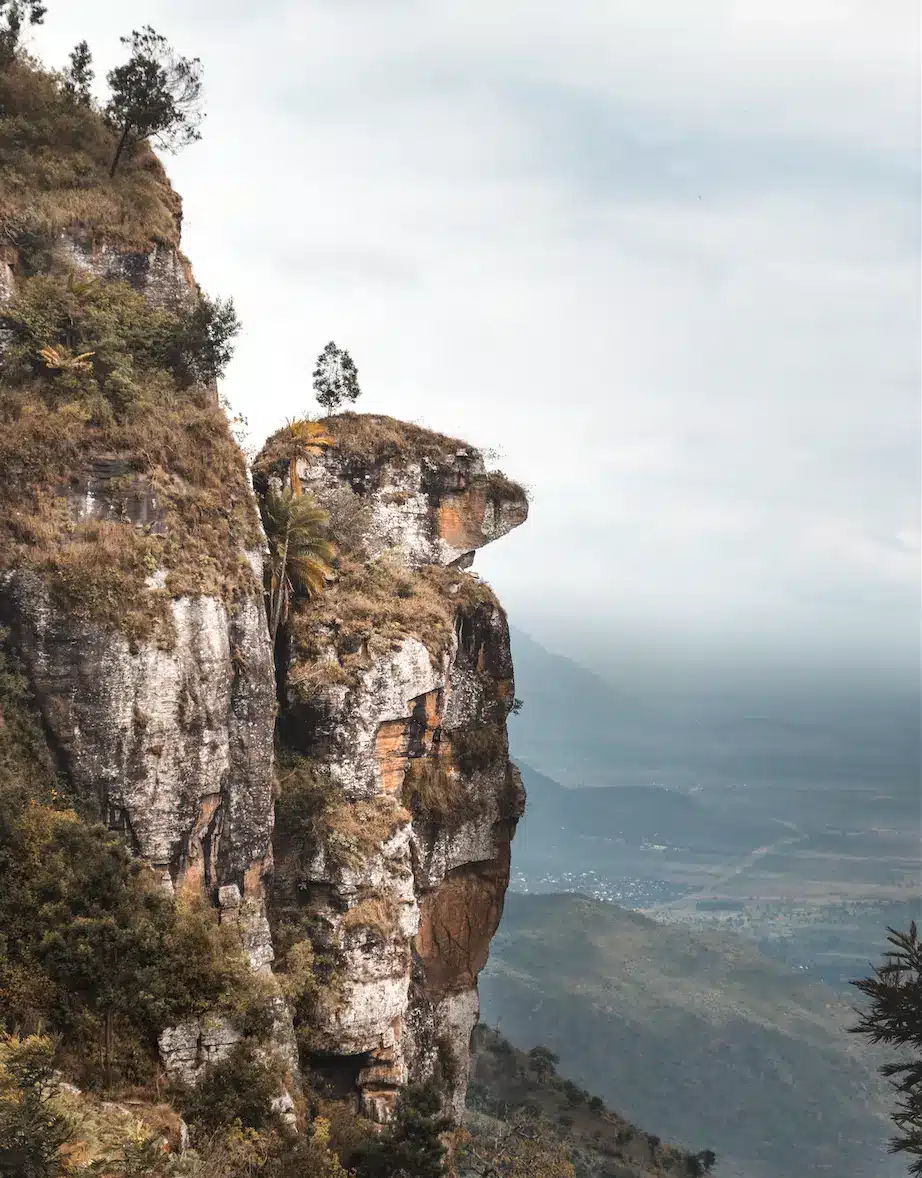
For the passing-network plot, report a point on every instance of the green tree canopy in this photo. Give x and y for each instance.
(894, 1018)
(156, 94)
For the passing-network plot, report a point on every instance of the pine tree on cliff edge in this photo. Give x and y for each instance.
(156, 95)
(336, 378)
(895, 1018)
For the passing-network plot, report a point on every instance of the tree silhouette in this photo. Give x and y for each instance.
(156, 95)
(894, 1018)
(544, 1061)
(336, 378)
(13, 15)
(79, 75)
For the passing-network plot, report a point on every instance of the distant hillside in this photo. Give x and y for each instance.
(584, 729)
(700, 1039)
(634, 814)
(507, 1084)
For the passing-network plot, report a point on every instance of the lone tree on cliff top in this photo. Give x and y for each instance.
(895, 1018)
(156, 95)
(336, 378)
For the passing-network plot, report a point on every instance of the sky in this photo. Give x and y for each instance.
(660, 260)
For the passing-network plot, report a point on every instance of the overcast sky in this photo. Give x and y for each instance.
(663, 257)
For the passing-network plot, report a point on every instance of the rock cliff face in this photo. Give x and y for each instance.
(386, 699)
(394, 691)
(165, 733)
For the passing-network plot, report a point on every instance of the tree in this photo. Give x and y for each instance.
(79, 75)
(300, 439)
(411, 1145)
(701, 1163)
(336, 378)
(895, 1018)
(203, 343)
(156, 95)
(13, 15)
(31, 1132)
(299, 552)
(544, 1061)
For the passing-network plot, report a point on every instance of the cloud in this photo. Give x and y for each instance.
(663, 257)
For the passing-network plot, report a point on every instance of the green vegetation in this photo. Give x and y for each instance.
(240, 1087)
(93, 369)
(524, 1120)
(894, 1018)
(411, 1145)
(14, 14)
(336, 378)
(32, 1131)
(299, 552)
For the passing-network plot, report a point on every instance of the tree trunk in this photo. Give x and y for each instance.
(276, 614)
(120, 149)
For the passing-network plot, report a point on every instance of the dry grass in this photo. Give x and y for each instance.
(311, 814)
(434, 791)
(178, 452)
(54, 171)
(370, 609)
(367, 824)
(377, 913)
(371, 439)
(479, 747)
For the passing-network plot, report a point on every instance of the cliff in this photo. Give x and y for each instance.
(248, 879)
(394, 687)
(131, 593)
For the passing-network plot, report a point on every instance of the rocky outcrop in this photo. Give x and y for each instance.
(425, 494)
(401, 887)
(165, 730)
(160, 272)
(172, 746)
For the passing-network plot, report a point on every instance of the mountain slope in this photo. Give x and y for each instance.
(513, 1087)
(697, 1038)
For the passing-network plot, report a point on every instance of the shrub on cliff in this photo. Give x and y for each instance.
(93, 948)
(299, 552)
(32, 1131)
(79, 336)
(92, 368)
(411, 1145)
(241, 1087)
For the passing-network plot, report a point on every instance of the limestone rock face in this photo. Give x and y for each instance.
(403, 732)
(430, 496)
(168, 738)
(171, 746)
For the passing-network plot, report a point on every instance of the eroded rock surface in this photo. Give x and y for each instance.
(403, 737)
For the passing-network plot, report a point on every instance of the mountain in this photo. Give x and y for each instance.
(584, 729)
(511, 1088)
(699, 1038)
